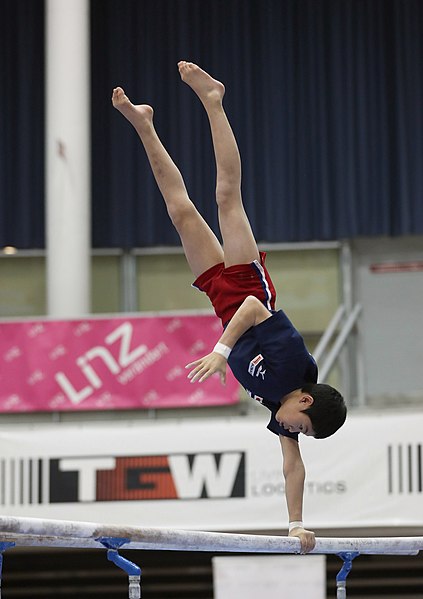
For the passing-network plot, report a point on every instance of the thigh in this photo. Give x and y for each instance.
(239, 244)
(201, 246)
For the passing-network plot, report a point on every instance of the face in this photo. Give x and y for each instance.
(291, 415)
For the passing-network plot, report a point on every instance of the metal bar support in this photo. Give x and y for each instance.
(112, 545)
(3, 546)
(341, 578)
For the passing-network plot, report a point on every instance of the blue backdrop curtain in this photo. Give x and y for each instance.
(325, 98)
(22, 123)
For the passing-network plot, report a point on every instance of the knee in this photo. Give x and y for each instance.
(181, 212)
(227, 193)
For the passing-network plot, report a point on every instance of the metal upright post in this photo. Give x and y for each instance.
(128, 282)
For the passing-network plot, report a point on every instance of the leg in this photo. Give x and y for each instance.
(238, 240)
(201, 246)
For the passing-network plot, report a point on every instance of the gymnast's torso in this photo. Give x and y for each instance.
(271, 360)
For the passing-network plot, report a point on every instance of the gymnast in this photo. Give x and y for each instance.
(265, 352)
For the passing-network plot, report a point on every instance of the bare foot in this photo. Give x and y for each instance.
(206, 88)
(138, 115)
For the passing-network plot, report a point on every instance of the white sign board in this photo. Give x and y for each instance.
(270, 577)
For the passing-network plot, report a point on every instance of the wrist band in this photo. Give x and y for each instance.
(222, 349)
(296, 524)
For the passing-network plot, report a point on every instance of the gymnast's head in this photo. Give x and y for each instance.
(328, 410)
(316, 410)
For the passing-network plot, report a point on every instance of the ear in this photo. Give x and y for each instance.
(306, 400)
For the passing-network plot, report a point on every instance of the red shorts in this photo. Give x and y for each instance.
(228, 287)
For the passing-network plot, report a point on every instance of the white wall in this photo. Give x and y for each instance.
(391, 324)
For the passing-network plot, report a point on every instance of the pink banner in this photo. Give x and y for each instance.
(104, 364)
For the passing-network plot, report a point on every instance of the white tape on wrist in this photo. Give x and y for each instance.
(296, 524)
(222, 349)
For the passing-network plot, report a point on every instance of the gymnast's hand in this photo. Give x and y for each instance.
(306, 537)
(206, 366)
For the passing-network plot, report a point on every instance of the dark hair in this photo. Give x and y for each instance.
(328, 410)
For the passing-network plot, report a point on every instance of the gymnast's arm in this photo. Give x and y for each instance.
(294, 473)
(250, 313)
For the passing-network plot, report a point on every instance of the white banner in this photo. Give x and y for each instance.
(213, 475)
